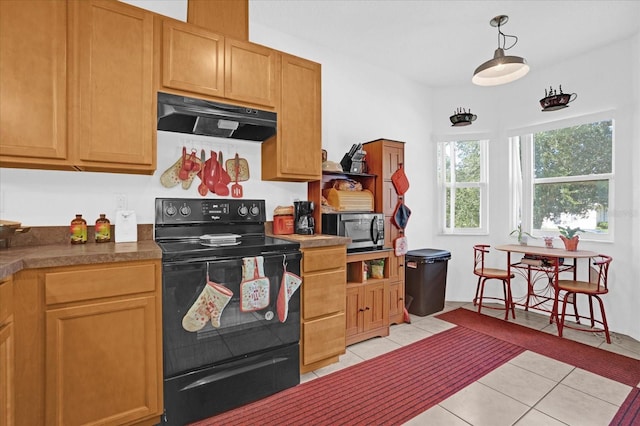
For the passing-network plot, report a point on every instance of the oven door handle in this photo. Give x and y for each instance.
(231, 372)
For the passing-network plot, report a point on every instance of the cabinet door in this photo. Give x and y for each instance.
(102, 362)
(250, 73)
(323, 338)
(393, 158)
(396, 268)
(192, 59)
(375, 307)
(113, 104)
(354, 310)
(33, 88)
(295, 153)
(6, 375)
(396, 302)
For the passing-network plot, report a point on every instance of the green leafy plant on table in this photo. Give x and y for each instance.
(522, 235)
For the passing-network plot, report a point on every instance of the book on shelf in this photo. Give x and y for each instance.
(532, 262)
(537, 260)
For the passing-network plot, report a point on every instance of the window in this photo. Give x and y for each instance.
(567, 179)
(462, 186)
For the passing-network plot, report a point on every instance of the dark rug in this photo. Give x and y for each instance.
(389, 389)
(604, 363)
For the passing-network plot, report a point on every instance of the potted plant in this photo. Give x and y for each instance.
(522, 235)
(570, 237)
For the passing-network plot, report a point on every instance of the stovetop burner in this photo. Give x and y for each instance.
(196, 228)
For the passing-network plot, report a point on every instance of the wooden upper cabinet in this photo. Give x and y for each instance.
(229, 17)
(113, 102)
(33, 88)
(250, 73)
(192, 59)
(200, 61)
(294, 153)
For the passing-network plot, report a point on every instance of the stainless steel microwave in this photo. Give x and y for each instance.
(366, 230)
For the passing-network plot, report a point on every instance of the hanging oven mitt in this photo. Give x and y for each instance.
(288, 286)
(254, 288)
(209, 305)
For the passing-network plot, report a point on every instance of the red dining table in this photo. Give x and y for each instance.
(552, 270)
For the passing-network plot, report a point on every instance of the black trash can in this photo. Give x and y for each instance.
(426, 280)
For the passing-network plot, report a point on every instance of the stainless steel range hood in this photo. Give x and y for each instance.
(182, 114)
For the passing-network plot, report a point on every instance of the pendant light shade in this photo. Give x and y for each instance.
(501, 69)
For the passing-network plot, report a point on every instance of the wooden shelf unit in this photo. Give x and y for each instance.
(367, 310)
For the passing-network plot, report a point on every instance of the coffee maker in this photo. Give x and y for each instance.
(303, 214)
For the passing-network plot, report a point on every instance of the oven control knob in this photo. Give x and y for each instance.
(171, 211)
(255, 211)
(243, 210)
(185, 210)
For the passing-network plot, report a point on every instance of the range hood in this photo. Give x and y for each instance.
(182, 114)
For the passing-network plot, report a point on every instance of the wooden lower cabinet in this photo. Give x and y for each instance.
(396, 289)
(322, 338)
(90, 344)
(367, 311)
(7, 376)
(367, 297)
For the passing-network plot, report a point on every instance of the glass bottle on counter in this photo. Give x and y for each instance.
(103, 229)
(78, 230)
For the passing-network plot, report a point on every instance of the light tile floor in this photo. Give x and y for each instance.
(531, 389)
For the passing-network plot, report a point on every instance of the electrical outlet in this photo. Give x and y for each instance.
(121, 202)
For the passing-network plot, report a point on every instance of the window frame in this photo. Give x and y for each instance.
(522, 205)
(443, 185)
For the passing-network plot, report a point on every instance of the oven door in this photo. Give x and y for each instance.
(233, 331)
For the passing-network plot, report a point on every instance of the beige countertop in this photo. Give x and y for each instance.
(14, 259)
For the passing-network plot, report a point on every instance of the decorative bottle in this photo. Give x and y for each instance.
(78, 230)
(103, 229)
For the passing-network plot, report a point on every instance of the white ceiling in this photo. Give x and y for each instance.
(440, 43)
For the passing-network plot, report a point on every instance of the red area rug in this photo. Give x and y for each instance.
(604, 363)
(397, 386)
(389, 389)
(629, 413)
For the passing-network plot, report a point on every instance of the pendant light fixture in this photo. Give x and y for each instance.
(501, 69)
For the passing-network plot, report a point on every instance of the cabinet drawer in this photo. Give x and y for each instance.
(6, 299)
(98, 282)
(324, 258)
(323, 293)
(323, 338)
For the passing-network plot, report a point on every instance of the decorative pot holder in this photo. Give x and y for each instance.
(401, 215)
(400, 181)
(254, 289)
(401, 246)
